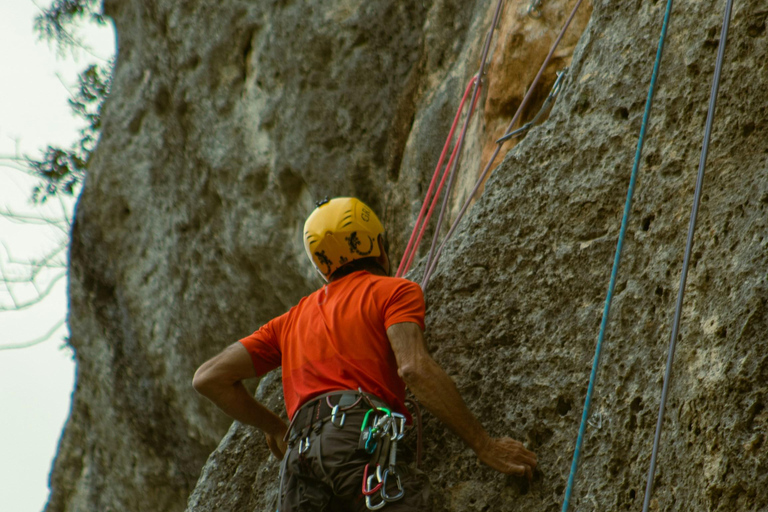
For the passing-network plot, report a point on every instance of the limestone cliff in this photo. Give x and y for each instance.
(228, 119)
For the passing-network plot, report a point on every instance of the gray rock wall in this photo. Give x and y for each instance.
(518, 327)
(228, 119)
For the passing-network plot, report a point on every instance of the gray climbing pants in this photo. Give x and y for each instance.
(327, 476)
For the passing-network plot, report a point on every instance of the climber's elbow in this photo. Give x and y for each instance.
(202, 381)
(414, 370)
(219, 374)
(209, 380)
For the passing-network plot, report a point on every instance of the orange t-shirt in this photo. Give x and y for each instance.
(335, 339)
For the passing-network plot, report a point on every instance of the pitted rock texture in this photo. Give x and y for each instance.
(228, 119)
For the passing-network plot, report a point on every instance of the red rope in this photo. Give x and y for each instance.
(415, 240)
(475, 95)
(432, 262)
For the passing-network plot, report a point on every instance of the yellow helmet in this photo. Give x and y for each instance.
(339, 231)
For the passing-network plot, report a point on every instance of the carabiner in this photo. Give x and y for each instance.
(334, 415)
(304, 445)
(558, 82)
(365, 419)
(367, 481)
(398, 426)
(384, 495)
(368, 496)
(370, 448)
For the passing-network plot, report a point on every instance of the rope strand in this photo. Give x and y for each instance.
(688, 249)
(460, 143)
(432, 263)
(616, 261)
(414, 241)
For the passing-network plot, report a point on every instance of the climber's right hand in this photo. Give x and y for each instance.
(508, 456)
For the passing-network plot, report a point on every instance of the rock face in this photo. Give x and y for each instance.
(228, 119)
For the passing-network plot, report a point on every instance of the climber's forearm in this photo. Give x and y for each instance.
(237, 402)
(438, 393)
(220, 380)
(435, 389)
(432, 386)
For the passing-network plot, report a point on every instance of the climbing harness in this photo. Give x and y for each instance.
(688, 249)
(380, 432)
(434, 256)
(616, 260)
(313, 414)
(544, 107)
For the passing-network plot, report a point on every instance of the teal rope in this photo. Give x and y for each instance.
(616, 260)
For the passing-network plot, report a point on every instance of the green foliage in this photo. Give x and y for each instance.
(63, 170)
(58, 22)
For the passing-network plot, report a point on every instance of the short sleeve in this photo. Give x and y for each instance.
(406, 304)
(264, 347)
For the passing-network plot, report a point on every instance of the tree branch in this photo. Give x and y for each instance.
(36, 341)
(18, 305)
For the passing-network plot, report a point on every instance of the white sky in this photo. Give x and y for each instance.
(35, 383)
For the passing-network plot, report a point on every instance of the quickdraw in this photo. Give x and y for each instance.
(379, 437)
(544, 108)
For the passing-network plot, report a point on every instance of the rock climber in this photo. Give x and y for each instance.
(347, 353)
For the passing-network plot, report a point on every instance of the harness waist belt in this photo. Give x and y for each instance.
(321, 408)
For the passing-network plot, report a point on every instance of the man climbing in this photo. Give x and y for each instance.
(347, 352)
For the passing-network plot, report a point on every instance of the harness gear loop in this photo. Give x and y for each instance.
(351, 406)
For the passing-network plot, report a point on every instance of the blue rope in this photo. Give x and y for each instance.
(616, 261)
(688, 250)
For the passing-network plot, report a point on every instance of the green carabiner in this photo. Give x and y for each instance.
(365, 420)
